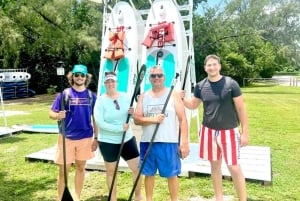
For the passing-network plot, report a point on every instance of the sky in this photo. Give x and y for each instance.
(210, 3)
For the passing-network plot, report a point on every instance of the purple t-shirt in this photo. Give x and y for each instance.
(218, 107)
(79, 111)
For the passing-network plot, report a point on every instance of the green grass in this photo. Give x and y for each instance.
(274, 121)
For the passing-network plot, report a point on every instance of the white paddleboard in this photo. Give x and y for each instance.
(122, 17)
(168, 48)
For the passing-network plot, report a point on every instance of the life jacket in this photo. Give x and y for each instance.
(115, 50)
(162, 32)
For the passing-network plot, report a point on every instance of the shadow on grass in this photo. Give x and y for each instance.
(250, 199)
(11, 139)
(103, 198)
(22, 189)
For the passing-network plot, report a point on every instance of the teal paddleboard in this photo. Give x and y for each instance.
(122, 71)
(168, 64)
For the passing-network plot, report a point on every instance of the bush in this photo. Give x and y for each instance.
(51, 90)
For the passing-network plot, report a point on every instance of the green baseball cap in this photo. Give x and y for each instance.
(79, 68)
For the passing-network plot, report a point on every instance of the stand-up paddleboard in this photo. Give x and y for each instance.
(14, 76)
(141, 29)
(121, 30)
(2, 77)
(165, 42)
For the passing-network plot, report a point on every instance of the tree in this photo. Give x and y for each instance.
(260, 37)
(38, 34)
(239, 35)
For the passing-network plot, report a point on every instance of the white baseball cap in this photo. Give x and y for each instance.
(110, 76)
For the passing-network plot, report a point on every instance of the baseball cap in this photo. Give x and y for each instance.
(110, 76)
(79, 68)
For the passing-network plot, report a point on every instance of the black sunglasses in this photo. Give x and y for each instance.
(156, 75)
(117, 104)
(79, 74)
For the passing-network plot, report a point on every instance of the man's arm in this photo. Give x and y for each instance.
(191, 103)
(183, 125)
(242, 114)
(96, 131)
(95, 127)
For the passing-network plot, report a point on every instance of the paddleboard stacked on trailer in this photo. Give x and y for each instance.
(165, 42)
(119, 51)
(14, 83)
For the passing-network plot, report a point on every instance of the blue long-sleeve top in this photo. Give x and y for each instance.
(110, 120)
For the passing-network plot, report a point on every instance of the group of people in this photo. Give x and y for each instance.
(92, 122)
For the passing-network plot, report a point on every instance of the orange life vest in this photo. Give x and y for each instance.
(115, 49)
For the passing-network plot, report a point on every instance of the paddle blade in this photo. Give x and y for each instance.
(140, 77)
(139, 80)
(67, 195)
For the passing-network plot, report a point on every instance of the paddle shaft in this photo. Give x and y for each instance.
(136, 88)
(152, 139)
(63, 130)
(66, 194)
(187, 69)
(116, 65)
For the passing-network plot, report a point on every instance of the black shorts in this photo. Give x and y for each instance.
(110, 151)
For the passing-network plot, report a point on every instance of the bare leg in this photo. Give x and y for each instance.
(110, 169)
(238, 181)
(79, 177)
(61, 180)
(149, 185)
(133, 165)
(216, 175)
(173, 188)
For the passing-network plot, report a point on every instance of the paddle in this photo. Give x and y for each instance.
(140, 78)
(187, 69)
(66, 194)
(116, 65)
(152, 139)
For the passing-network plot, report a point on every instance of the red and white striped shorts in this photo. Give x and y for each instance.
(215, 144)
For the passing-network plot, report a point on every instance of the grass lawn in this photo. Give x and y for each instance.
(274, 121)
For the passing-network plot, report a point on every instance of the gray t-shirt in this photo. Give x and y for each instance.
(218, 107)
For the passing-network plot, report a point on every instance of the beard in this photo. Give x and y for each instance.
(79, 84)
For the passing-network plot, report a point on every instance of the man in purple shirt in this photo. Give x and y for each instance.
(79, 126)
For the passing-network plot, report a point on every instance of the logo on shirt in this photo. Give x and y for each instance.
(79, 101)
(154, 110)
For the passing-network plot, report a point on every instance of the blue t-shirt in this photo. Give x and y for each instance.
(110, 116)
(79, 111)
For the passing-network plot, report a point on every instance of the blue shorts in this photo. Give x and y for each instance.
(163, 157)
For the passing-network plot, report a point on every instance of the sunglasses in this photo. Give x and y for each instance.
(156, 75)
(79, 74)
(117, 105)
